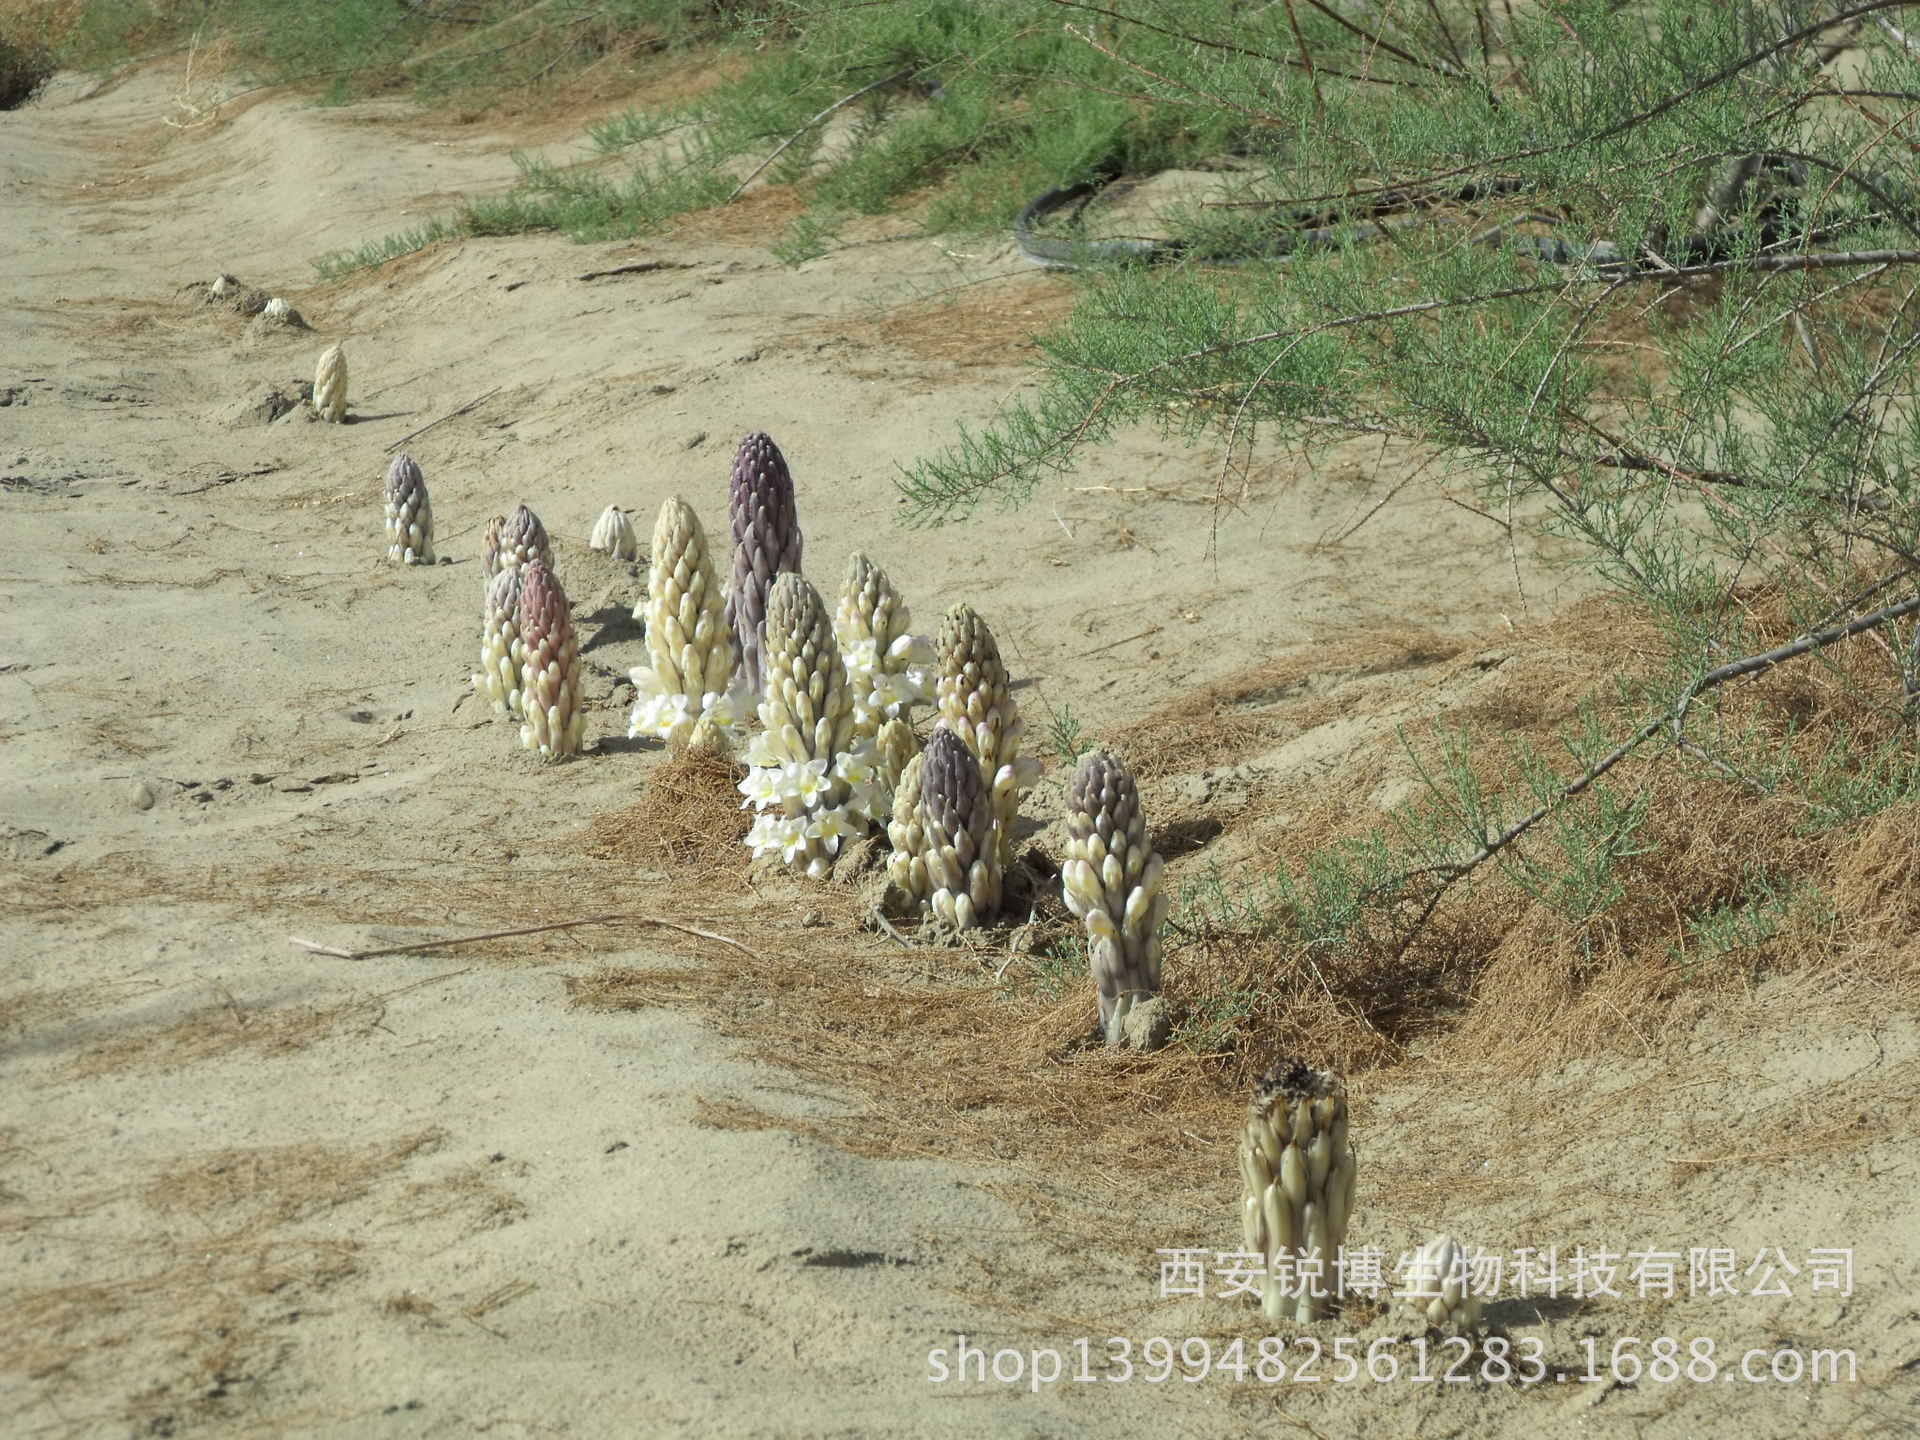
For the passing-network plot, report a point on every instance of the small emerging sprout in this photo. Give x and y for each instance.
(409, 513)
(1439, 1286)
(278, 312)
(613, 533)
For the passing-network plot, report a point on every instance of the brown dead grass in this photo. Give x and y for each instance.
(1238, 718)
(278, 1184)
(473, 1196)
(215, 1289)
(224, 1030)
(202, 1296)
(759, 217)
(688, 819)
(981, 323)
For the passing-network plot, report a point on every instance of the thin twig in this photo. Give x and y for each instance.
(444, 418)
(887, 925)
(781, 149)
(628, 918)
(1672, 721)
(1210, 44)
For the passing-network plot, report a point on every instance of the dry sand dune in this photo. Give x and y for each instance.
(246, 1189)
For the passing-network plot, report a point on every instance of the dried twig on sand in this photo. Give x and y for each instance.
(625, 918)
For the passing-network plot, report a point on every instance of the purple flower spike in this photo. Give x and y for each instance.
(766, 542)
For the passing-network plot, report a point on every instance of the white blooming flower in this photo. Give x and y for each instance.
(855, 766)
(805, 781)
(869, 799)
(830, 827)
(765, 834)
(790, 833)
(761, 787)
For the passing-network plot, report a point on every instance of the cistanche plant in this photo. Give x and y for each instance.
(907, 864)
(766, 543)
(889, 668)
(688, 693)
(522, 539)
(812, 783)
(409, 513)
(1111, 878)
(490, 542)
(330, 385)
(959, 853)
(553, 717)
(1298, 1171)
(500, 650)
(976, 701)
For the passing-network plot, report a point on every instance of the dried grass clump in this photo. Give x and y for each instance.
(687, 820)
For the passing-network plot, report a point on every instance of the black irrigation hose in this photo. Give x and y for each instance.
(1306, 229)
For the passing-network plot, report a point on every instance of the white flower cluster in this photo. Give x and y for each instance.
(887, 687)
(664, 712)
(795, 817)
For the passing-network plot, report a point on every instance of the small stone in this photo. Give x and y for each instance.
(142, 796)
(1148, 1025)
(813, 919)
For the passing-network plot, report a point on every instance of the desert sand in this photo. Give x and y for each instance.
(250, 1189)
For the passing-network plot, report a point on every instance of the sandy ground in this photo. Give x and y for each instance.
(246, 1189)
